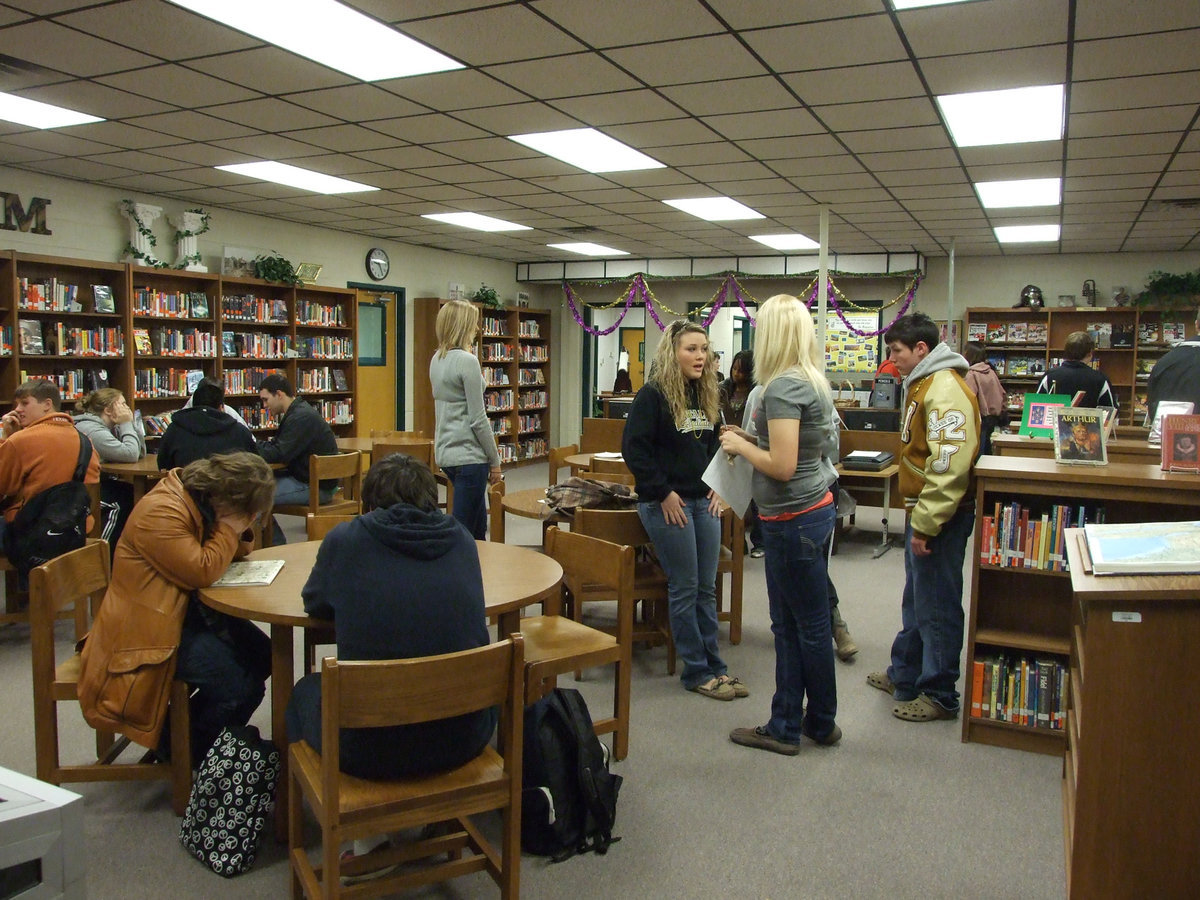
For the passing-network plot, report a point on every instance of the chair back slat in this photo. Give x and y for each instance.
(557, 455)
(316, 527)
(601, 435)
(592, 560)
(618, 526)
(381, 433)
(334, 465)
(416, 448)
(603, 466)
(381, 693)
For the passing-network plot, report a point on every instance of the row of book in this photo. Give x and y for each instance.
(325, 347)
(1106, 334)
(533, 448)
(256, 415)
(1007, 332)
(498, 401)
(501, 427)
(534, 353)
(1019, 538)
(170, 304)
(255, 345)
(529, 328)
(309, 312)
(1015, 366)
(6, 340)
(494, 375)
(531, 423)
(335, 412)
(531, 376)
(321, 380)
(1028, 691)
(495, 351)
(247, 380)
(494, 327)
(171, 382)
(48, 295)
(190, 342)
(157, 424)
(72, 383)
(534, 400)
(1161, 332)
(249, 308)
(60, 339)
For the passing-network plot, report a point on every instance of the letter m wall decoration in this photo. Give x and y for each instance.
(16, 218)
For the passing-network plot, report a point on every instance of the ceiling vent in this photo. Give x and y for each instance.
(10, 65)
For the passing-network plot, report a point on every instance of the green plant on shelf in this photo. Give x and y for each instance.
(487, 296)
(275, 268)
(1171, 291)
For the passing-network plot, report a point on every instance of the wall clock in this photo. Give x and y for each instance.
(377, 264)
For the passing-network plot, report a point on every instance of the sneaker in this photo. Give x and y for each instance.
(369, 874)
(758, 553)
(761, 739)
(739, 687)
(714, 688)
(846, 648)
(834, 735)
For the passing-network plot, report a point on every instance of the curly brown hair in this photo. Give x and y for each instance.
(241, 482)
(674, 385)
(96, 402)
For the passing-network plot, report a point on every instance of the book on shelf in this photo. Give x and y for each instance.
(194, 377)
(339, 380)
(1122, 336)
(198, 305)
(102, 298)
(1144, 548)
(1018, 332)
(1080, 436)
(1101, 333)
(1181, 443)
(977, 332)
(97, 379)
(1017, 537)
(249, 573)
(1174, 332)
(998, 362)
(997, 333)
(1021, 690)
(31, 337)
(1036, 333)
(1167, 408)
(1147, 333)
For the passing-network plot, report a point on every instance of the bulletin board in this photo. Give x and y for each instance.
(847, 352)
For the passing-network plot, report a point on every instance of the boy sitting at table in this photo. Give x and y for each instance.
(401, 581)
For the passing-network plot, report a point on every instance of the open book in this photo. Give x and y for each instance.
(250, 572)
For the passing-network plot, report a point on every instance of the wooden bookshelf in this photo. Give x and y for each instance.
(1028, 612)
(514, 354)
(166, 323)
(1022, 361)
(1129, 817)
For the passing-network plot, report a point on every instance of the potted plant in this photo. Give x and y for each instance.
(1170, 291)
(487, 296)
(275, 268)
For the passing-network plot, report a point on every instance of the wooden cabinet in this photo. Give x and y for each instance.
(1129, 777)
(1024, 343)
(514, 355)
(1027, 612)
(165, 324)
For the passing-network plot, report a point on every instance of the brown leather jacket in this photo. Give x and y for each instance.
(129, 655)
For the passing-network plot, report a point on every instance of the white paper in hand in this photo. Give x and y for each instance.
(729, 476)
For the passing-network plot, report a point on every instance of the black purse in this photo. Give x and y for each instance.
(232, 800)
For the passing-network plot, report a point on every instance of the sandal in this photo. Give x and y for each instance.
(881, 682)
(923, 709)
(714, 688)
(739, 688)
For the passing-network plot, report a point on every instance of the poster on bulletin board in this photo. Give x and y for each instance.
(847, 352)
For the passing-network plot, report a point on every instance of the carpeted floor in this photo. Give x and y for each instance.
(896, 810)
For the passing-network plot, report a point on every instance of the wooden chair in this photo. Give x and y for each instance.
(316, 527)
(495, 499)
(615, 477)
(80, 578)
(731, 562)
(601, 435)
(388, 435)
(381, 693)
(557, 455)
(555, 645)
(622, 526)
(417, 448)
(602, 466)
(344, 466)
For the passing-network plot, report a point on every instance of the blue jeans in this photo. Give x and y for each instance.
(288, 491)
(689, 558)
(925, 653)
(797, 579)
(470, 496)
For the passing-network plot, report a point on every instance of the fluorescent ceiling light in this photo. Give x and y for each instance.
(786, 241)
(715, 209)
(913, 4)
(292, 176)
(329, 33)
(588, 149)
(1026, 234)
(40, 115)
(476, 221)
(587, 249)
(1016, 116)
(1025, 192)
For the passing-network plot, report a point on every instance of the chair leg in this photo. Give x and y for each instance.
(331, 876)
(295, 833)
(181, 747)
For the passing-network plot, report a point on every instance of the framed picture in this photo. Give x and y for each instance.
(951, 333)
(309, 272)
(1079, 437)
(1037, 419)
(1181, 443)
(238, 261)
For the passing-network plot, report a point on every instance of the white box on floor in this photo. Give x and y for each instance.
(41, 840)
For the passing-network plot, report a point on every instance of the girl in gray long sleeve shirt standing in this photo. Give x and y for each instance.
(463, 445)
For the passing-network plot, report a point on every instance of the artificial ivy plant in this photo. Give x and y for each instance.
(1171, 291)
(275, 268)
(487, 296)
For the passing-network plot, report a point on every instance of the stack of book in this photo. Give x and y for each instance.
(1023, 691)
(1016, 537)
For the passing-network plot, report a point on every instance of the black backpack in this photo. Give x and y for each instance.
(569, 799)
(53, 522)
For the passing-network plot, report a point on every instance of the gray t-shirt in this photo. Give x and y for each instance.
(791, 397)
(463, 434)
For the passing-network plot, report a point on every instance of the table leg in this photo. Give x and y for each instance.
(885, 543)
(283, 675)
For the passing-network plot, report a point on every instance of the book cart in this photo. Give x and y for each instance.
(514, 354)
(1129, 775)
(1024, 613)
(146, 331)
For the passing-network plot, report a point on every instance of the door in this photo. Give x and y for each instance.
(633, 343)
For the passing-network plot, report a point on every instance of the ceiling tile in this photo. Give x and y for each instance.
(342, 138)
(749, 125)
(269, 70)
(499, 34)
(976, 27)
(1111, 18)
(856, 84)
(715, 98)
(618, 108)
(701, 59)
(519, 118)
(1131, 121)
(627, 21)
(175, 32)
(823, 45)
(1146, 54)
(563, 76)
(905, 113)
(178, 85)
(46, 43)
(996, 71)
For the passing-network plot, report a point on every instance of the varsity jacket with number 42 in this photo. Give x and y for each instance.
(939, 440)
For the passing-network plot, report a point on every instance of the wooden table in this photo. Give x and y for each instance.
(139, 473)
(513, 578)
(578, 462)
(885, 476)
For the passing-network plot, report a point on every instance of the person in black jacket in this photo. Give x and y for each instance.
(302, 432)
(1176, 376)
(202, 429)
(1075, 375)
(670, 437)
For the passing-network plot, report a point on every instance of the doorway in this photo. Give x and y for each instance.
(633, 348)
